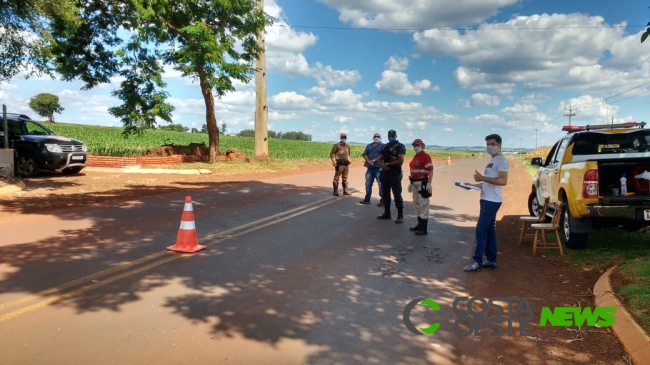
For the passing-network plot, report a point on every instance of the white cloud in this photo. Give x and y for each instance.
(409, 14)
(397, 83)
(448, 130)
(342, 119)
(480, 99)
(328, 77)
(534, 99)
(395, 63)
(589, 110)
(290, 100)
(541, 51)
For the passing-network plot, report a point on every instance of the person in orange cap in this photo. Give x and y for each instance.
(420, 186)
(340, 156)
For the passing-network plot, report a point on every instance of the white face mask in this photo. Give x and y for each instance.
(417, 149)
(343, 140)
(492, 150)
(376, 139)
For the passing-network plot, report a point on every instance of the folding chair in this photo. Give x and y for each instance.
(541, 229)
(529, 219)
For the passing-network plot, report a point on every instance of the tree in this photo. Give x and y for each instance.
(24, 39)
(646, 33)
(174, 127)
(213, 41)
(223, 129)
(246, 133)
(45, 105)
(204, 128)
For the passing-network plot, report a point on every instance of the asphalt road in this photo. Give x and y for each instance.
(290, 275)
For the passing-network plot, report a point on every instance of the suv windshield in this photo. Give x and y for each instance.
(37, 129)
(606, 143)
(28, 127)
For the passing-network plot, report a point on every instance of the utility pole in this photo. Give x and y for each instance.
(570, 113)
(261, 107)
(536, 130)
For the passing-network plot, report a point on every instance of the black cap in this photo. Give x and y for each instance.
(392, 133)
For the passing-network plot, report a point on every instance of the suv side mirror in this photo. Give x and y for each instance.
(536, 161)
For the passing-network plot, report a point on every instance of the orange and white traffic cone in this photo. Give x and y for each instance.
(187, 240)
(448, 160)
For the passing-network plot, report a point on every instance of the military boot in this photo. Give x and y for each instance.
(423, 228)
(417, 226)
(335, 185)
(400, 216)
(345, 189)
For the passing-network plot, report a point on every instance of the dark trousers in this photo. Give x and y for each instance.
(392, 181)
(486, 234)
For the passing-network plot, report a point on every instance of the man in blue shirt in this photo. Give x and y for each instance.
(373, 171)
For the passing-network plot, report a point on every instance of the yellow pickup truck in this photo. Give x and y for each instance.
(602, 175)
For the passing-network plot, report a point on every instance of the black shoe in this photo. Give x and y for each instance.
(417, 226)
(423, 228)
(381, 204)
(364, 202)
(384, 216)
(399, 219)
(336, 193)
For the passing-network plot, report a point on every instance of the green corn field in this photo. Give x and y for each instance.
(108, 141)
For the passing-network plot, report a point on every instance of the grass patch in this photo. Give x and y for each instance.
(532, 170)
(612, 246)
(631, 282)
(631, 252)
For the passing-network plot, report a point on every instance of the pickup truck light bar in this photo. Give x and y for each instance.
(575, 128)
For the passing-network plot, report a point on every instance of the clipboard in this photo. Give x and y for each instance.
(465, 186)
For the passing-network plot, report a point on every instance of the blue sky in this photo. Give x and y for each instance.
(446, 71)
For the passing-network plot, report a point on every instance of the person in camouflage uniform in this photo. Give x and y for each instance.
(340, 156)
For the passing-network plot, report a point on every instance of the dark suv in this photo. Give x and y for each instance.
(38, 148)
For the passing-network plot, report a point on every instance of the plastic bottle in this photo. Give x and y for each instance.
(623, 185)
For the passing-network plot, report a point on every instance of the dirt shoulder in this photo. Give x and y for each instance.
(546, 280)
(98, 188)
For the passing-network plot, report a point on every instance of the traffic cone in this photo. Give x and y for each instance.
(448, 160)
(187, 241)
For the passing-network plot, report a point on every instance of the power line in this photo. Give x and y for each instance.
(636, 87)
(613, 96)
(630, 97)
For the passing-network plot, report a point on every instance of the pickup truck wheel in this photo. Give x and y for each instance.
(27, 166)
(576, 241)
(72, 170)
(533, 204)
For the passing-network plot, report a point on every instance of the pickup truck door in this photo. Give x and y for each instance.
(543, 189)
(553, 170)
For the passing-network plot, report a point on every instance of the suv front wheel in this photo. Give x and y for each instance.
(27, 166)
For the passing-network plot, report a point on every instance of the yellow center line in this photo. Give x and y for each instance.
(85, 288)
(75, 282)
(216, 238)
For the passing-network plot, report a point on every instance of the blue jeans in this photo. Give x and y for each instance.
(486, 234)
(372, 175)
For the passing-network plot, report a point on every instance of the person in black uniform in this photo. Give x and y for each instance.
(390, 160)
